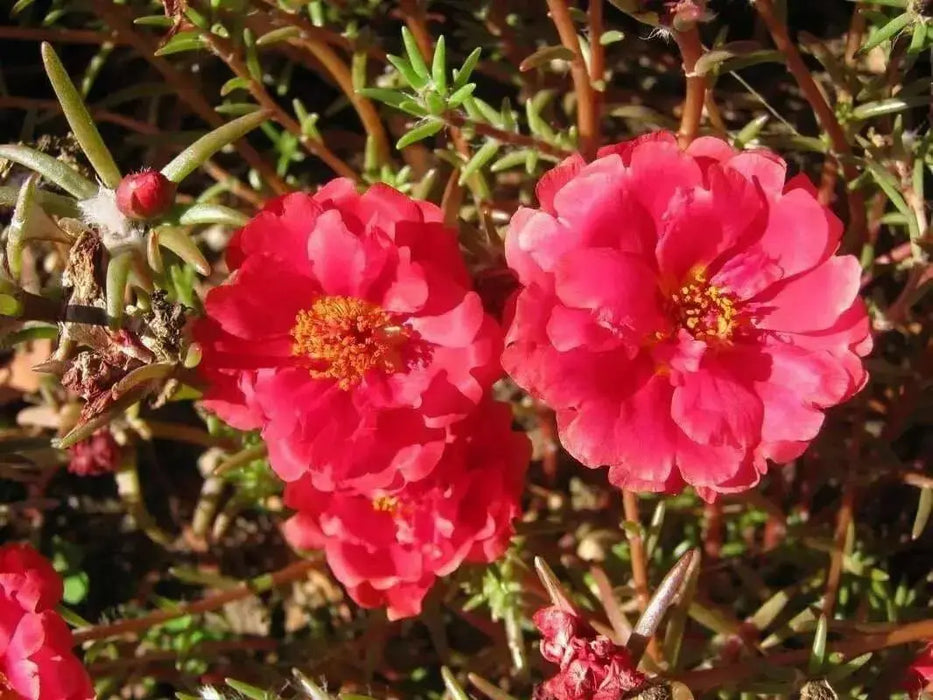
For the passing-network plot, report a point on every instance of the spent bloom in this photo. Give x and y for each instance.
(348, 332)
(99, 454)
(387, 546)
(683, 312)
(36, 661)
(590, 666)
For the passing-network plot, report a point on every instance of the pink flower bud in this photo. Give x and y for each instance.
(145, 195)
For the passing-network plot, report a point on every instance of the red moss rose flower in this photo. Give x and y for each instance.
(683, 312)
(591, 666)
(387, 546)
(36, 661)
(920, 673)
(350, 334)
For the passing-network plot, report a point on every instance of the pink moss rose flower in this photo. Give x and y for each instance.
(36, 661)
(683, 312)
(590, 666)
(387, 546)
(348, 332)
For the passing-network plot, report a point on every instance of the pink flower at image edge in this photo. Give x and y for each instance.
(683, 312)
(36, 658)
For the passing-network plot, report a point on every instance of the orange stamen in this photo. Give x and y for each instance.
(344, 338)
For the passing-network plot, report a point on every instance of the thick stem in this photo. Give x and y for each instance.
(587, 114)
(691, 49)
(824, 113)
(834, 577)
(597, 63)
(637, 549)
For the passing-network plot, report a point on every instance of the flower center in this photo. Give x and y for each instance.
(344, 338)
(386, 504)
(6, 690)
(704, 310)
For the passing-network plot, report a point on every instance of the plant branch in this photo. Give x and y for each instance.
(637, 549)
(709, 679)
(259, 584)
(223, 49)
(458, 120)
(100, 115)
(312, 41)
(824, 113)
(691, 49)
(587, 113)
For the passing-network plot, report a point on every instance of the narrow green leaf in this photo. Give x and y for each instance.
(234, 84)
(209, 213)
(247, 690)
(459, 95)
(462, 76)
(510, 160)
(439, 66)
(889, 106)
(454, 689)
(19, 6)
(918, 40)
(201, 150)
(180, 243)
(277, 35)
(818, 648)
(79, 119)
(750, 131)
(924, 506)
(891, 188)
(51, 169)
(428, 128)
(408, 73)
(393, 98)
(902, 4)
(611, 37)
(898, 24)
(160, 21)
(485, 154)
(414, 55)
(236, 109)
(10, 306)
(181, 42)
(309, 687)
(26, 335)
(17, 231)
(546, 55)
(118, 272)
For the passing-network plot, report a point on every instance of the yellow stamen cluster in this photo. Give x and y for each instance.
(386, 504)
(344, 338)
(706, 311)
(6, 690)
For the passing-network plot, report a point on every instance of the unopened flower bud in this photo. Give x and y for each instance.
(145, 195)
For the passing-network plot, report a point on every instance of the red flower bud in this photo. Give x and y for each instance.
(145, 195)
